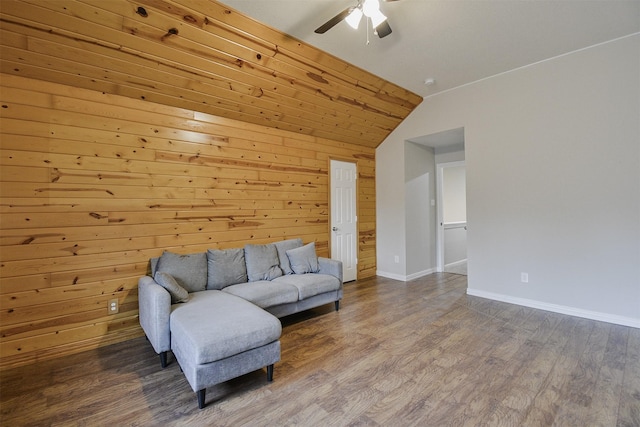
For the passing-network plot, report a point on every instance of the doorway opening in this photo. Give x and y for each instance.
(450, 225)
(452, 218)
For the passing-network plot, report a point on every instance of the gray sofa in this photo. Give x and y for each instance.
(218, 311)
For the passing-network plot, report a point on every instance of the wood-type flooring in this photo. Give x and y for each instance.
(420, 353)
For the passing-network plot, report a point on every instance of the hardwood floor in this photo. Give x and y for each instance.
(396, 354)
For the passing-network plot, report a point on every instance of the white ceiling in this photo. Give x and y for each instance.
(453, 41)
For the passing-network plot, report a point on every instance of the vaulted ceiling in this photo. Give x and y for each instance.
(456, 42)
(201, 56)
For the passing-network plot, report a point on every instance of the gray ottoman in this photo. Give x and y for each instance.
(218, 336)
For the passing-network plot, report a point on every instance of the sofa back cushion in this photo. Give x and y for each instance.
(262, 262)
(304, 260)
(282, 247)
(190, 271)
(225, 267)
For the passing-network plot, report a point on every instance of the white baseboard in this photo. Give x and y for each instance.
(455, 263)
(555, 308)
(421, 274)
(391, 275)
(404, 278)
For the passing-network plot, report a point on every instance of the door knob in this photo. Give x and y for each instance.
(334, 228)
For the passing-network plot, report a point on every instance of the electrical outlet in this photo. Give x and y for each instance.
(396, 259)
(113, 306)
(524, 277)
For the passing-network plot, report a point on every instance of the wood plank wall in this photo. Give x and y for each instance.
(202, 56)
(92, 185)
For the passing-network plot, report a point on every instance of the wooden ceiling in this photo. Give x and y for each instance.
(201, 56)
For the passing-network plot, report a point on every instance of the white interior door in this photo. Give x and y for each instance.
(344, 222)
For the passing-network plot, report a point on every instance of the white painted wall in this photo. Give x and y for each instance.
(553, 181)
(413, 245)
(454, 198)
(420, 216)
(390, 216)
(446, 156)
(455, 245)
(454, 210)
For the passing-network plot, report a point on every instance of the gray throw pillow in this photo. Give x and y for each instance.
(225, 267)
(262, 262)
(177, 292)
(304, 260)
(190, 271)
(282, 248)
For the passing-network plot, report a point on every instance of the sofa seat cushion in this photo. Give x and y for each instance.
(310, 284)
(215, 325)
(265, 293)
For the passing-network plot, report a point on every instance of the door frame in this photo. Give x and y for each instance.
(440, 216)
(356, 199)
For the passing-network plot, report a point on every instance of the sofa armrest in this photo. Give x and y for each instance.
(330, 266)
(154, 303)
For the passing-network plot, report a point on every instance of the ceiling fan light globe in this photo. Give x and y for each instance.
(377, 19)
(354, 18)
(370, 8)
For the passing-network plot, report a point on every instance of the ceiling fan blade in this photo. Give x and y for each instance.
(383, 29)
(334, 21)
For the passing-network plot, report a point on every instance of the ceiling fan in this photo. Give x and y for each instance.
(353, 15)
